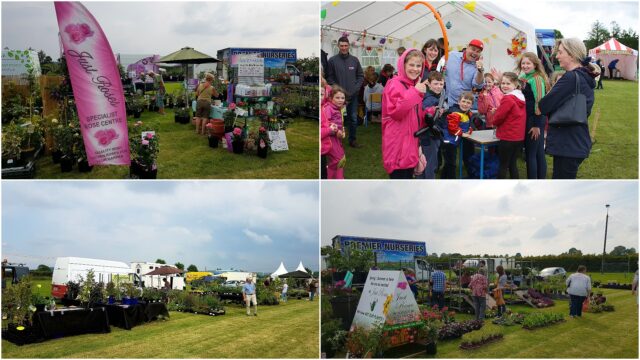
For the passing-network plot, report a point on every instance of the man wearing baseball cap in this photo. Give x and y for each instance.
(465, 71)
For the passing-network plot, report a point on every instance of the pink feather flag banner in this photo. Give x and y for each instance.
(97, 87)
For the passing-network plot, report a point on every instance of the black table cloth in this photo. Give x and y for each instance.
(68, 322)
(129, 316)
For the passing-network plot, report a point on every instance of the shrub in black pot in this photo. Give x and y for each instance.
(213, 141)
(66, 163)
(55, 156)
(83, 166)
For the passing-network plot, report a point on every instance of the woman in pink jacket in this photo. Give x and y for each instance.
(402, 116)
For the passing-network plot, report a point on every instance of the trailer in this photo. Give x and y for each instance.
(74, 269)
(12, 273)
(390, 254)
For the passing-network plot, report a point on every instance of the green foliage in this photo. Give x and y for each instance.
(356, 261)
(12, 137)
(113, 290)
(266, 295)
(129, 290)
(180, 266)
(192, 268)
(333, 338)
(87, 285)
(480, 337)
(541, 319)
(309, 65)
(17, 302)
(160, 261)
(363, 342)
(151, 293)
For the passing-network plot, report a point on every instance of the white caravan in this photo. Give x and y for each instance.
(73, 269)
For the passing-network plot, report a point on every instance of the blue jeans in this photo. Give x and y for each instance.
(431, 154)
(352, 117)
(437, 298)
(575, 305)
(284, 297)
(311, 295)
(480, 305)
(534, 150)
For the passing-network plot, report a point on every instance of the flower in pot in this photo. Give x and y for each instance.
(229, 118)
(213, 139)
(182, 115)
(237, 141)
(367, 343)
(113, 292)
(144, 153)
(263, 142)
(138, 106)
(87, 286)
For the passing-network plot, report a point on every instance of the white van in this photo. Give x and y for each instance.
(73, 269)
(491, 263)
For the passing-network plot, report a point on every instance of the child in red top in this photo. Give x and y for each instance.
(489, 99)
(332, 110)
(510, 119)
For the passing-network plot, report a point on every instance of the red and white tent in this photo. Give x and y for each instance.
(612, 49)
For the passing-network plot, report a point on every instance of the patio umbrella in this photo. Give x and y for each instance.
(296, 275)
(186, 56)
(165, 270)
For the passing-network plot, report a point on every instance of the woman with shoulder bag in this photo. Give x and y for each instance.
(204, 92)
(570, 144)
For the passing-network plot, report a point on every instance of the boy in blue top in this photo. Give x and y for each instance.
(249, 295)
(438, 280)
(458, 126)
(429, 141)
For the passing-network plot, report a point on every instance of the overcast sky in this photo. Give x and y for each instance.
(574, 18)
(250, 225)
(164, 27)
(478, 217)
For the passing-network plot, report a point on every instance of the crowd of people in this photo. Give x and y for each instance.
(429, 105)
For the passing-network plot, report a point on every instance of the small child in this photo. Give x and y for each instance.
(429, 141)
(333, 111)
(556, 76)
(402, 116)
(489, 99)
(458, 124)
(510, 119)
(372, 87)
(327, 129)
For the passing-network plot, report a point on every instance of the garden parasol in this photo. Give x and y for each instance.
(165, 270)
(186, 56)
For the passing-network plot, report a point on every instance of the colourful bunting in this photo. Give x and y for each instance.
(448, 25)
(335, 3)
(505, 23)
(488, 16)
(323, 14)
(486, 40)
(471, 6)
(494, 36)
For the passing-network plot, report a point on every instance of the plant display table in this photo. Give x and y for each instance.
(129, 316)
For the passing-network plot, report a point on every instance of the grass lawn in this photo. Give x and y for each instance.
(185, 155)
(283, 331)
(621, 278)
(614, 154)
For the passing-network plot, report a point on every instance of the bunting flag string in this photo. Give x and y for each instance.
(471, 6)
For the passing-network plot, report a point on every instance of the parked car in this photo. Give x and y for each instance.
(552, 271)
(234, 283)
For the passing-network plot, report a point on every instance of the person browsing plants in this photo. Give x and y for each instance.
(249, 296)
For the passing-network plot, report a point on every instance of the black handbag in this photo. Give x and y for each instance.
(571, 112)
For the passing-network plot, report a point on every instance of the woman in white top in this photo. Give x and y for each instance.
(578, 288)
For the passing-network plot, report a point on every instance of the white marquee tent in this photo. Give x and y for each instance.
(389, 26)
(301, 267)
(281, 270)
(612, 49)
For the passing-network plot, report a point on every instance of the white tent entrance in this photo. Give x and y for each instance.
(376, 29)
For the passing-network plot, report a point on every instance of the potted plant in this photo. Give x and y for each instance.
(237, 141)
(130, 293)
(138, 106)
(144, 152)
(12, 136)
(213, 140)
(263, 142)
(87, 287)
(80, 154)
(113, 292)
(182, 115)
(229, 118)
(367, 343)
(38, 301)
(66, 138)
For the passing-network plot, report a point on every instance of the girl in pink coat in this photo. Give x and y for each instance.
(489, 99)
(402, 116)
(327, 129)
(332, 111)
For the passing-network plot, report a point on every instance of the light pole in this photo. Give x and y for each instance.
(604, 248)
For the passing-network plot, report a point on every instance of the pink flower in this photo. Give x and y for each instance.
(138, 123)
(262, 129)
(149, 136)
(232, 106)
(145, 142)
(105, 137)
(209, 125)
(78, 32)
(402, 285)
(237, 131)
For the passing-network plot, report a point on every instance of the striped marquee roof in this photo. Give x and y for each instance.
(612, 46)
